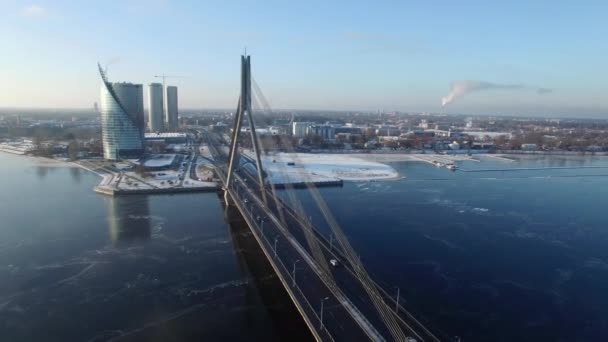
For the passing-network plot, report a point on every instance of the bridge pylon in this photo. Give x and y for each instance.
(244, 108)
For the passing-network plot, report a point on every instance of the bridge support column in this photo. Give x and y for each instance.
(244, 109)
(228, 199)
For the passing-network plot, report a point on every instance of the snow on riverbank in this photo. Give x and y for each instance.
(299, 167)
(416, 157)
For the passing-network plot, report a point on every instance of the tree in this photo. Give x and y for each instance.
(500, 141)
(38, 142)
(316, 140)
(73, 150)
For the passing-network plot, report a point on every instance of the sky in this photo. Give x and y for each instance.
(513, 57)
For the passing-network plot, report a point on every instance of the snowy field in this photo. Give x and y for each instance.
(319, 167)
(323, 167)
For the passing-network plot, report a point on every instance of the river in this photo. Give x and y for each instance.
(490, 255)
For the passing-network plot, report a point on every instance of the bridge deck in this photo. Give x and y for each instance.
(342, 321)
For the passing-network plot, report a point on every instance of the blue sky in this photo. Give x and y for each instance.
(400, 55)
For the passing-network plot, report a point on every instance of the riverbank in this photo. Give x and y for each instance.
(42, 161)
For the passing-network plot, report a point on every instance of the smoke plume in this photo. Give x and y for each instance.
(460, 88)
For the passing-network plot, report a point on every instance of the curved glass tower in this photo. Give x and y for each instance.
(122, 119)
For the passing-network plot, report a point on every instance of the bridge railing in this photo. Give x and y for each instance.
(311, 313)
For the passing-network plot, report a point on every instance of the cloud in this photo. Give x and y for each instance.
(34, 11)
(460, 88)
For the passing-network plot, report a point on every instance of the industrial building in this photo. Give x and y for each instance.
(122, 119)
(155, 107)
(171, 115)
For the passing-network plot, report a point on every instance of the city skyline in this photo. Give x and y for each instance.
(528, 59)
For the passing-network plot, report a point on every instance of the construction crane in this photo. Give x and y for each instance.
(164, 77)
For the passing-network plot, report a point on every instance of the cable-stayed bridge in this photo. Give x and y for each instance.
(324, 276)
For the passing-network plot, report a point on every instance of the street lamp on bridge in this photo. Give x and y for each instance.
(397, 301)
(293, 273)
(321, 316)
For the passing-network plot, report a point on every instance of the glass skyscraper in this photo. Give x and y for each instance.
(122, 119)
(155, 107)
(171, 118)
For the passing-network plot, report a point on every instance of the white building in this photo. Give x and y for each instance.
(299, 129)
(171, 118)
(155, 107)
(327, 132)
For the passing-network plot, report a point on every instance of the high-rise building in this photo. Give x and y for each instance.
(171, 118)
(155, 107)
(122, 119)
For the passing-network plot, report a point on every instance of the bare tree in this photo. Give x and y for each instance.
(73, 150)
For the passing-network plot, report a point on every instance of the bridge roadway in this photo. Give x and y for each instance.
(308, 289)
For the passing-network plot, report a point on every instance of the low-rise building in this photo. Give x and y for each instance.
(529, 147)
(167, 138)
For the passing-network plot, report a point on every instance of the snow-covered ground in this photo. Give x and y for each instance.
(319, 167)
(204, 169)
(323, 167)
(152, 180)
(160, 180)
(17, 147)
(204, 150)
(192, 183)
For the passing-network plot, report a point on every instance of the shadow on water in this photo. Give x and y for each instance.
(41, 172)
(128, 218)
(287, 321)
(76, 174)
